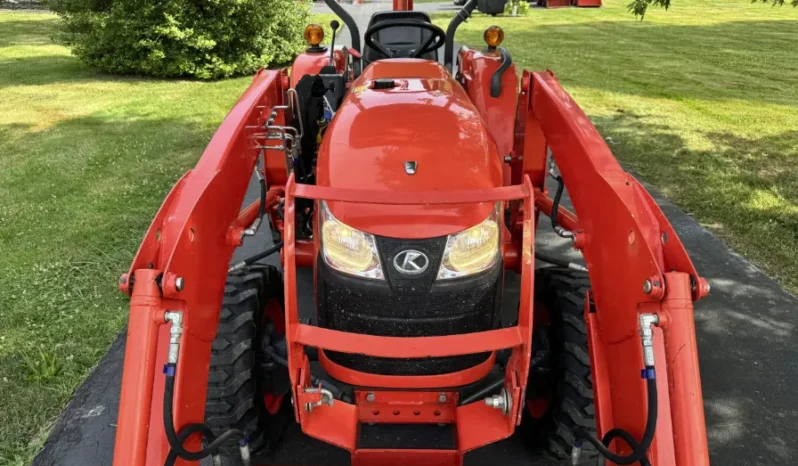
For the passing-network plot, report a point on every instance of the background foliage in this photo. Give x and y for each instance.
(639, 7)
(206, 39)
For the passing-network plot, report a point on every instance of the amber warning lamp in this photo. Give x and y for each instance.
(494, 36)
(314, 34)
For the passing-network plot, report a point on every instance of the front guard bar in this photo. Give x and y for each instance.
(477, 423)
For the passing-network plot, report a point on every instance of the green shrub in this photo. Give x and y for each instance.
(521, 8)
(206, 39)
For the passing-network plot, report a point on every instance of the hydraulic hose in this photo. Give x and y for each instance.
(262, 208)
(252, 259)
(459, 18)
(639, 450)
(479, 394)
(337, 392)
(176, 440)
(555, 206)
(264, 254)
(186, 433)
(559, 262)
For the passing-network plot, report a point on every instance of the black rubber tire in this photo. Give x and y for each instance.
(234, 398)
(563, 291)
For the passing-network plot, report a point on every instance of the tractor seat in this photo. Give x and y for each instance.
(401, 39)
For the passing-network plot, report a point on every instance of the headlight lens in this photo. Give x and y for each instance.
(473, 250)
(346, 249)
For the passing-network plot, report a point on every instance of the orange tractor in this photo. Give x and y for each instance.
(410, 193)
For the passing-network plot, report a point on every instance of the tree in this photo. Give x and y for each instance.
(206, 39)
(639, 7)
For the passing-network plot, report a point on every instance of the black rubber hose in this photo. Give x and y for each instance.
(353, 30)
(459, 18)
(174, 439)
(337, 392)
(264, 254)
(555, 206)
(552, 260)
(262, 208)
(185, 434)
(638, 449)
(627, 437)
(483, 391)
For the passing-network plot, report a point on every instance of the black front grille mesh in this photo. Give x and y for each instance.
(408, 306)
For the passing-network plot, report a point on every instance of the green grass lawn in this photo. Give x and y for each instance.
(85, 161)
(700, 101)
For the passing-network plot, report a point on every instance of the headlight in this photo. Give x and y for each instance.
(346, 249)
(473, 250)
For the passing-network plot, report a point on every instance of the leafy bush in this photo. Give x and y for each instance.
(207, 39)
(521, 8)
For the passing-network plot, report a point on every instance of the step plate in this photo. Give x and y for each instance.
(406, 458)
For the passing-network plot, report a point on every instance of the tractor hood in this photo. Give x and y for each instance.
(423, 117)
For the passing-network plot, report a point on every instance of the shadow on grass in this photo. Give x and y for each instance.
(743, 189)
(737, 185)
(59, 69)
(750, 61)
(75, 201)
(30, 32)
(39, 65)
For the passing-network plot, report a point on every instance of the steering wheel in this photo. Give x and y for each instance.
(435, 41)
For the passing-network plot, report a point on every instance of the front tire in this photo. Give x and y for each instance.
(570, 402)
(236, 389)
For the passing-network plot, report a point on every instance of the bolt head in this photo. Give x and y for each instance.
(179, 283)
(508, 159)
(370, 397)
(123, 279)
(647, 287)
(664, 237)
(442, 398)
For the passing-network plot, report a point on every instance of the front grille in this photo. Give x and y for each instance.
(408, 307)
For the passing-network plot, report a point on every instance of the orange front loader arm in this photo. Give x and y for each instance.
(637, 265)
(181, 265)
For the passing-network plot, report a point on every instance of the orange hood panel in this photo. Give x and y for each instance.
(427, 118)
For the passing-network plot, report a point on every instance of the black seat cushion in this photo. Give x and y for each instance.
(402, 39)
